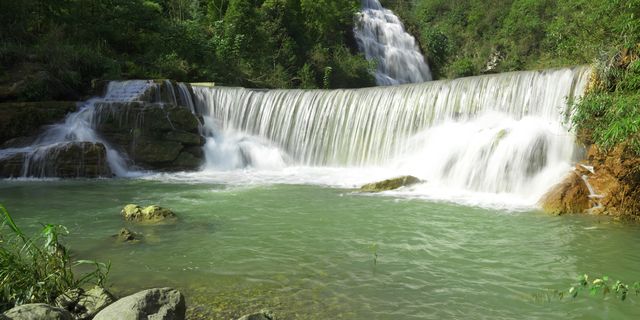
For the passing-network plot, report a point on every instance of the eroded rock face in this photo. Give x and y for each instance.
(65, 160)
(615, 179)
(150, 214)
(154, 136)
(20, 119)
(157, 304)
(38, 311)
(390, 184)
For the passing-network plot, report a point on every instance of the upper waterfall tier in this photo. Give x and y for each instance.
(382, 38)
(371, 126)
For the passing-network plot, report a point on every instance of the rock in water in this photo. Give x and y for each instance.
(157, 304)
(39, 311)
(84, 305)
(390, 184)
(150, 214)
(126, 235)
(569, 196)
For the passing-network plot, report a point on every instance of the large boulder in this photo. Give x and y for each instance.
(65, 160)
(39, 311)
(84, 305)
(614, 176)
(571, 195)
(150, 214)
(156, 304)
(390, 184)
(157, 136)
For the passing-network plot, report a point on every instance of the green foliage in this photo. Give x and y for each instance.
(439, 48)
(39, 268)
(374, 252)
(609, 114)
(527, 34)
(462, 68)
(255, 43)
(603, 286)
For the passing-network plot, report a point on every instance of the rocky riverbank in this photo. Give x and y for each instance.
(605, 183)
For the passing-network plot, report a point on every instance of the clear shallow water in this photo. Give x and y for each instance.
(305, 251)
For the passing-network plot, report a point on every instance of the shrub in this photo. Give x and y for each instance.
(609, 113)
(462, 68)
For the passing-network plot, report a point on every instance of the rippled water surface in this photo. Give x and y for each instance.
(309, 251)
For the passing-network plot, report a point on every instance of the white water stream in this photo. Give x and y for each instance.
(382, 39)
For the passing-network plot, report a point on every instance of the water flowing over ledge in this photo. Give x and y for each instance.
(498, 138)
(495, 134)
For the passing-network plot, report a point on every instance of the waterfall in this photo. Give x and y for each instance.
(499, 133)
(382, 38)
(79, 128)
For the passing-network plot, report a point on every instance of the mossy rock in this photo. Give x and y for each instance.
(186, 138)
(156, 152)
(150, 214)
(390, 184)
(187, 161)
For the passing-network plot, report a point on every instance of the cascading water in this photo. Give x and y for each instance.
(489, 134)
(382, 38)
(79, 127)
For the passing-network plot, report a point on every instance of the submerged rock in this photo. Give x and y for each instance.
(39, 311)
(150, 214)
(157, 304)
(84, 305)
(390, 184)
(262, 315)
(126, 235)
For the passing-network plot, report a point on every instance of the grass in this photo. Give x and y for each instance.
(38, 268)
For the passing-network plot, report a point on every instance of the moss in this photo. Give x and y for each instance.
(150, 214)
(390, 184)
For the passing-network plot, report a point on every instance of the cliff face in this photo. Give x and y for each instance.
(615, 180)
